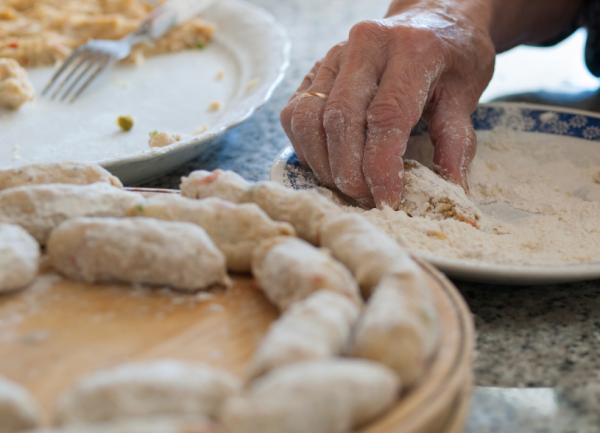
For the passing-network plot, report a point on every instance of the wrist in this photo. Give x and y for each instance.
(469, 14)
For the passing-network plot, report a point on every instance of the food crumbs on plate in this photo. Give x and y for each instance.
(162, 139)
(597, 178)
(220, 75)
(200, 130)
(215, 106)
(125, 123)
(252, 84)
(15, 87)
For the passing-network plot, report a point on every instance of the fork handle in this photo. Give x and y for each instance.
(165, 17)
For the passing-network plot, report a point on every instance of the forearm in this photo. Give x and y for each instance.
(509, 22)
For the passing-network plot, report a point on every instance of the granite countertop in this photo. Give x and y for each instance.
(538, 357)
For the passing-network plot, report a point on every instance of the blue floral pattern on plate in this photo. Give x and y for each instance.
(513, 117)
(537, 120)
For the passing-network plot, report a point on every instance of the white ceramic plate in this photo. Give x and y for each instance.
(569, 131)
(167, 93)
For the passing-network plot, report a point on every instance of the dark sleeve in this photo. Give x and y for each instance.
(591, 20)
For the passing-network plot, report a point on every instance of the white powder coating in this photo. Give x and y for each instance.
(399, 327)
(428, 195)
(18, 410)
(363, 248)
(19, 258)
(304, 210)
(289, 270)
(331, 396)
(235, 229)
(137, 250)
(151, 389)
(539, 201)
(75, 173)
(163, 139)
(41, 208)
(316, 328)
(226, 185)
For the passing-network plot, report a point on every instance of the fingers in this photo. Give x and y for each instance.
(395, 110)
(453, 136)
(288, 111)
(307, 118)
(345, 118)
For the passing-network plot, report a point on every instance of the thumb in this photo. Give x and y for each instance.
(454, 140)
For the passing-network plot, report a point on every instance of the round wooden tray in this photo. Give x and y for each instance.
(58, 331)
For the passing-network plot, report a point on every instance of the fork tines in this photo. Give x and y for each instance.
(78, 70)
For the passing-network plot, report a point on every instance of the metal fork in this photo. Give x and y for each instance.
(88, 61)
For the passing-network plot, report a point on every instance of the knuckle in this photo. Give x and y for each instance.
(418, 40)
(389, 114)
(304, 123)
(334, 109)
(329, 69)
(366, 30)
(338, 111)
(333, 116)
(336, 50)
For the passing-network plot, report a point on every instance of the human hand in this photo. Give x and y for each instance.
(351, 117)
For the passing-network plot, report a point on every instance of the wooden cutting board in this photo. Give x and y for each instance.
(57, 331)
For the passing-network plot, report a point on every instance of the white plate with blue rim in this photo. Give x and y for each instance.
(550, 153)
(174, 93)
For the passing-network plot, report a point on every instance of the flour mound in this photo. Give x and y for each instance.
(537, 199)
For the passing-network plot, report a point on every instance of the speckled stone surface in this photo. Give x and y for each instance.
(538, 362)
